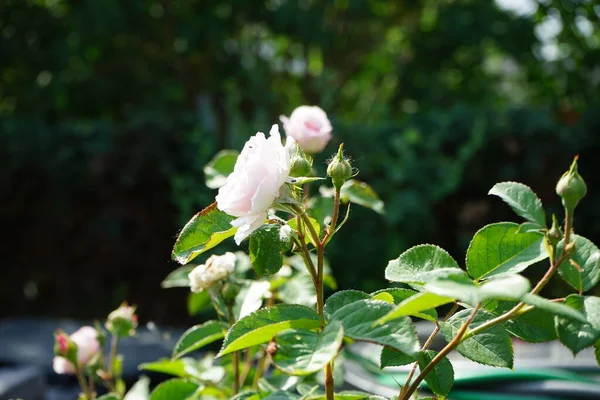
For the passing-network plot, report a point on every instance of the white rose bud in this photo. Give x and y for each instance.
(309, 126)
(216, 268)
(86, 339)
(260, 171)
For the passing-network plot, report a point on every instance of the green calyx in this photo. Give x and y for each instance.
(300, 165)
(571, 187)
(339, 169)
(554, 234)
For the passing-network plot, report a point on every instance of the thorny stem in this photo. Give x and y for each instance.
(334, 218)
(247, 366)
(426, 345)
(449, 347)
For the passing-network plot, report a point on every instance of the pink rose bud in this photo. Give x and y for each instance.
(309, 126)
(77, 350)
(260, 171)
(122, 321)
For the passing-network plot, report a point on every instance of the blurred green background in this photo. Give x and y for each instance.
(109, 110)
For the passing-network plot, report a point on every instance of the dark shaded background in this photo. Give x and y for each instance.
(109, 110)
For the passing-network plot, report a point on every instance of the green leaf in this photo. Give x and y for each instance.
(536, 326)
(218, 169)
(293, 223)
(498, 249)
(512, 287)
(198, 302)
(204, 231)
(393, 358)
(587, 256)
(441, 378)
(178, 277)
(261, 326)
(554, 307)
(247, 395)
(362, 194)
(341, 299)
(416, 305)
(301, 180)
(522, 200)
(575, 335)
(490, 347)
(421, 264)
(282, 395)
(303, 352)
(199, 336)
(182, 368)
(172, 389)
(266, 250)
(109, 396)
(298, 290)
(597, 352)
(358, 319)
(401, 294)
(140, 390)
(349, 395)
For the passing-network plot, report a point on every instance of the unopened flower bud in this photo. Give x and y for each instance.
(75, 351)
(300, 166)
(122, 321)
(571, 187)
(216, 268)
(339, 169)
(554, 234)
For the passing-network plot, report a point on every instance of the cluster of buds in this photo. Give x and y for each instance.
(76, 351)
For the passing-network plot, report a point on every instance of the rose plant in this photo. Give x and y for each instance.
(82, 354)
(280, 338)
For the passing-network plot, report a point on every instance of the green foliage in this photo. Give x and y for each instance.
(421, 264)
(199, 336)
(358, 319)
(441, 378)
(174, 389)
(536, 326)
(420, 305)
(576, 335)
(513, 251)
(262, 325)
(393, 358)
(178, 277)
(217, 169)
(204, 231)
(266, 249)
(303, 352)
(581, 269)
(522, 200)
(361, 194)
(491, 347)
(342, 298)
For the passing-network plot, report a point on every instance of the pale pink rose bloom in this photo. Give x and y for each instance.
(260, 171)
(309, 126)
(86, 339)
(214, 269)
